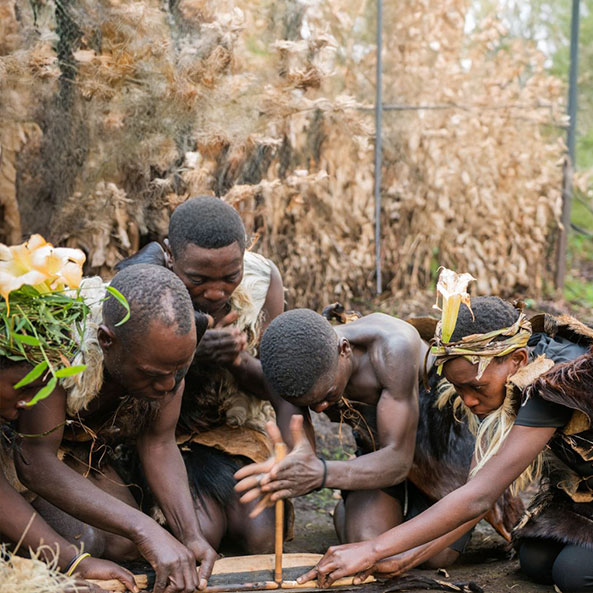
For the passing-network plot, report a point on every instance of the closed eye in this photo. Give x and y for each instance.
(196, 281)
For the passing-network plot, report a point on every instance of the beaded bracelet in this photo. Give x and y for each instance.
(75, 562)
(322, 485)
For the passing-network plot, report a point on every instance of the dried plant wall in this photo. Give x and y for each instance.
(113, 112)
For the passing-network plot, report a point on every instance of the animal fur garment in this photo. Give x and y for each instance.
(211, 397)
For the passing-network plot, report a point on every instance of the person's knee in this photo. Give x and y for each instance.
(369, 513)
(441, 560)
(573, 570)
(121, 549)
(536, 558)
(340, 521)
(259, 539)
(92, 541)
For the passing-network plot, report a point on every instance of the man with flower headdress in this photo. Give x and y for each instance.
(136, 343)
(520, 401)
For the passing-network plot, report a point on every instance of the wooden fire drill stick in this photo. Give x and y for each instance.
(280, 450)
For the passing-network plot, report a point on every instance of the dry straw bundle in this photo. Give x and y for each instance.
(118, 111)
(34, 576)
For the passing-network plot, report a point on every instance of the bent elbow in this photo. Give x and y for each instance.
(30, 470)
(25, 473)
(396, 475)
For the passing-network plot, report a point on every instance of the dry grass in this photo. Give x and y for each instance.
(32, 576)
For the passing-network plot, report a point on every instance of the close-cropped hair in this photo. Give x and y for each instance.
(298, 348)
(154, 293)
(207, 222)
(489, 314)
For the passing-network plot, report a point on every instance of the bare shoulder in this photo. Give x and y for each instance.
(395, 334)
(396, 353)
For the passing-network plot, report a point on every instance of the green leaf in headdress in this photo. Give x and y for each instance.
(70, 371)
(44, 392)
(24, 339)
(33, 374)
(116, 294)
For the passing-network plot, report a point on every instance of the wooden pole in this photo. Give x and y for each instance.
(570, 163)
(280, 450)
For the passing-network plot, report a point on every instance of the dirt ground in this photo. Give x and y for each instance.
(487, 561)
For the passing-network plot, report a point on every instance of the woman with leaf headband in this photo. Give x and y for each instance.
(39, 322)
(519, 404)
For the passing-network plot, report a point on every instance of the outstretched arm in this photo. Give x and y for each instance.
(462, 507)
(167, 478)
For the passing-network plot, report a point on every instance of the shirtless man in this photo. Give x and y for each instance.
(368, 373)
(130, 392)
(374, 361)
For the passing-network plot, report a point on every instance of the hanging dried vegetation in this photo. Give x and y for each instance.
(115, 112)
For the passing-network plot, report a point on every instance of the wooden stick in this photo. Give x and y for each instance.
(280, 450)
(117, 586)
(114, 586)
(258, 586)
(344, 581)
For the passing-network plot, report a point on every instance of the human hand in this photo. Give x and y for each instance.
(104, 570)
(222, 344)
(356, 559)
(298, 473)
(174, 564)
(206, 555)
(391, 567)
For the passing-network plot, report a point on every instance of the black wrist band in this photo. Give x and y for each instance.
(322, 485)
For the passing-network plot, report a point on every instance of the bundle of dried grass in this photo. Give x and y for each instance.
(33, 576)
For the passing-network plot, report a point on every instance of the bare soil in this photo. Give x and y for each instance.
(487, 560)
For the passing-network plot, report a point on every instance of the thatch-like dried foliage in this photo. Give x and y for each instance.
(33, 576)
(132, 107)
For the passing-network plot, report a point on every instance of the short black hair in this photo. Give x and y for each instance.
(297, 349)
(490, 313)
(154, 293)
(207, 222)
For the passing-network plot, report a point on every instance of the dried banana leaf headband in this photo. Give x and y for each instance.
(479, 349)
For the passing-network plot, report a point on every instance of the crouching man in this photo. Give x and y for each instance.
(225, 404)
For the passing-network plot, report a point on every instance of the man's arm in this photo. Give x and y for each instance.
(167, 477)
(41, 471)
(397, 421)
(20, 522)
(458, 511)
